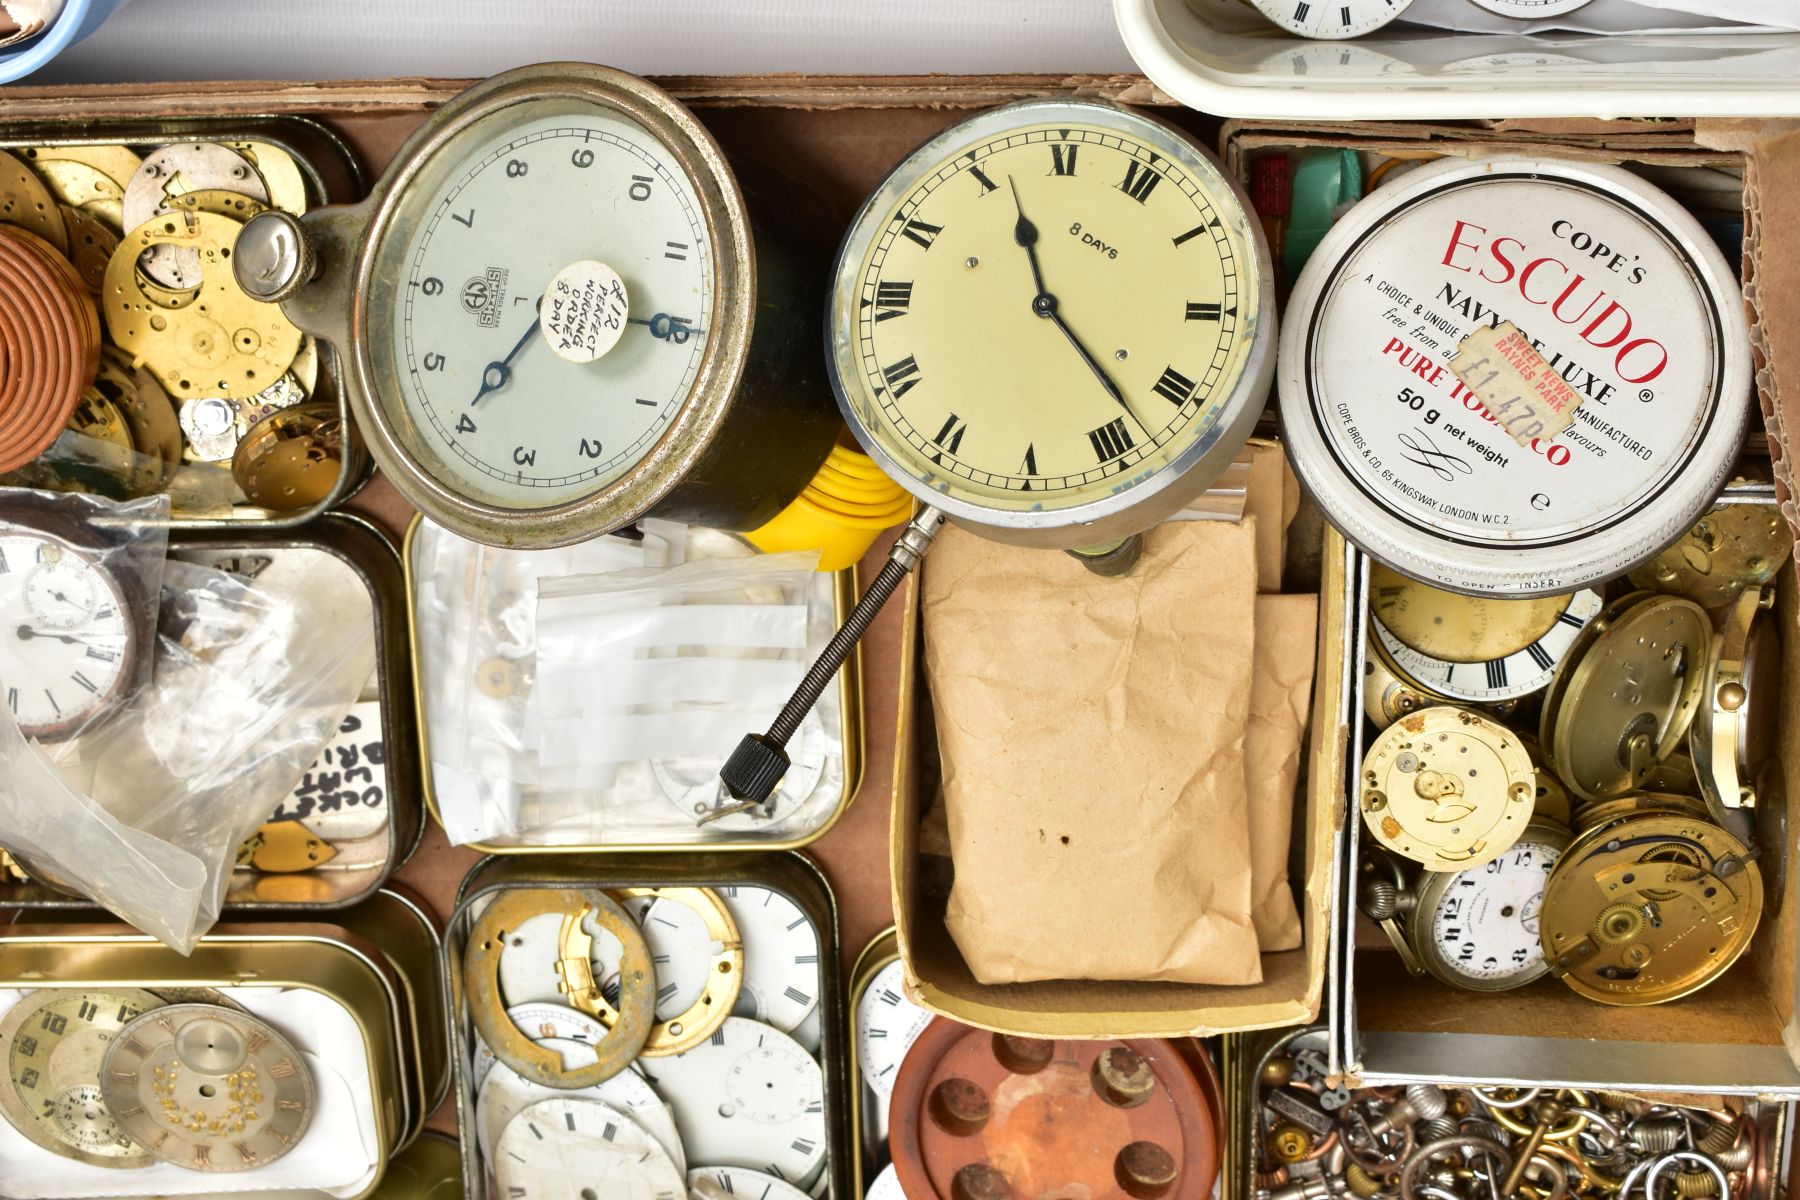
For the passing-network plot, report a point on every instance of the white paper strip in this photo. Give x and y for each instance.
(569, 741)
(569, 630)
(573, 690)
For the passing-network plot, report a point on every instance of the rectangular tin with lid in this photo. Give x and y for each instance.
(370, 984)
(331, 175)
(850, 706)
(791, 874)
(336, 541)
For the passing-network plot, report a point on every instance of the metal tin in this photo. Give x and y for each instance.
(850, 698)
(1735, 1039)
(325, 959)
(1403, 456)
(756, 423)
(366, 550)
(418, 961)
(882, 950)
(331, 175)
(429, 1169)
(792, 874)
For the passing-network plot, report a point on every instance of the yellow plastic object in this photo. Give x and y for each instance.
(839, 513)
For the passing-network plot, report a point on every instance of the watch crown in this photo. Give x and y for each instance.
(273, 258)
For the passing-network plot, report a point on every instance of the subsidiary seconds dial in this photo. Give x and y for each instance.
(1048, 316)
(556, 303)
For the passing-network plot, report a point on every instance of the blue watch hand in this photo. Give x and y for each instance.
(496, 374)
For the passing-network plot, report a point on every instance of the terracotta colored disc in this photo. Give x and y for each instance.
(49, 345)
(976, 1116)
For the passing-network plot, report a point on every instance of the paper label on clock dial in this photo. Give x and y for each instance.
(584, 311)
(1626, 357)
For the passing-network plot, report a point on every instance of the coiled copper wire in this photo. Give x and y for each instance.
(49, 345)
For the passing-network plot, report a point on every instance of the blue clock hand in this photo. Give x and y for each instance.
(495, 375)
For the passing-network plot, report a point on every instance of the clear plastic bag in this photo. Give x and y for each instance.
(144, 812)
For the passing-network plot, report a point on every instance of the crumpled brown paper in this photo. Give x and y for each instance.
(1280, 697)
(1092, 734)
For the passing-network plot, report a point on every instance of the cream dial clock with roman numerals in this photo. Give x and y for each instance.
(1331, 19)
(1049, 322)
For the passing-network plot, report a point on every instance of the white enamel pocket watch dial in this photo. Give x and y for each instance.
(740, 1183)
(504, 1094)
(1053, 322)
(68, 639)
(886, 1025)
(1532, 9)
(564, 1147)
(886, 1186)
(748, 1096)
(540, 1021)
(54, 1042)
(1478, 929)
(546, 308)
(1331, 19)
(781, 957)
(1477, 649)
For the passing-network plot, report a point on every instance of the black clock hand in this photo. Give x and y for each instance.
(1045, 305)
(26, 633)
(496, 374)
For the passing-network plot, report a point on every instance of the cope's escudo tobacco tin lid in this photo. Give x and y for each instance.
(1515, 375)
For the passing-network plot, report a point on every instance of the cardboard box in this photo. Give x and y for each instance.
(1293, 981)
(1740, 1033)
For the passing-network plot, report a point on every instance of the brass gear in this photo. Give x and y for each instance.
(1618, 924)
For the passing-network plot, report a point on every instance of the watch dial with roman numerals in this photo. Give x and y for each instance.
(781, 956)
(1477, 649)
(67, 641)
(1048, 307)
(1331, 19)
(566, 1147)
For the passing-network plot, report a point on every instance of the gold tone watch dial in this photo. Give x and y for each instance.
(208, 1088)
(1733, 547)
(1447, 788)
(1650, 908)
(1455, 627)
(1024, 280)
(53, 1042)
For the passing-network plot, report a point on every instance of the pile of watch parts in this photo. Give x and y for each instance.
(1421, 1141)
(647, 1042)
(127, 1079)
(1581, 785)
(155, 359)
(951, 1112)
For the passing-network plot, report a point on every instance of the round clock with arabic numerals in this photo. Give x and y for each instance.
(1054, 323)
(561, 310)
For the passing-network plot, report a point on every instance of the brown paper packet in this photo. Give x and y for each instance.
(1091, 733)
(1280, 697)
(1266, 499)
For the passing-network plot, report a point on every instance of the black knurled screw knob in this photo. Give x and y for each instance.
(754, 769)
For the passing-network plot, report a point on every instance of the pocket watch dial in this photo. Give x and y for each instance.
(499, 340)
(748, 1096)
(564, 1147)
(1475, 648)
(739, 1183)
(504, 1094)
(886, 1025)
(1483, 926)
(54, 1042)
(781, 957)
(1331, 19)
(1048, 307)
(65, 635)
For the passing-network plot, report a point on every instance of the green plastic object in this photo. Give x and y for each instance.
(1325, 182)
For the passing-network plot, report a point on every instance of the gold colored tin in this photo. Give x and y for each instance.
(429, 1169)
(325, 959)
(850, 695)
(327, 173)
(402, 926)
(883, 949)
(794, 875)
(367, 551)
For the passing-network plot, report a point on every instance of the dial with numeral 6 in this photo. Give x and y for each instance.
(1478, 929)
(1054, 322)
(68, 641)
(559, 314)
(1331, 19)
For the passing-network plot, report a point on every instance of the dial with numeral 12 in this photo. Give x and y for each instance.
(748, 1096)
(68, 641)
(1331, 19)
(1050, 322)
